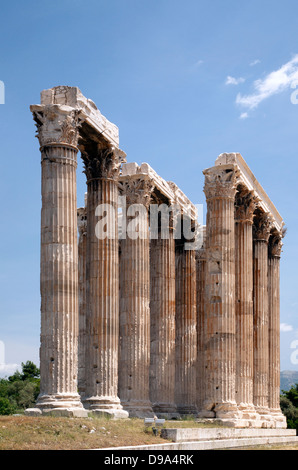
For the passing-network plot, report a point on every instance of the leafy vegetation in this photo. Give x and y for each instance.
(289, 406)
(20, 390)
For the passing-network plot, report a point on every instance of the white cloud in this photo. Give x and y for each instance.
(284, 327)
(275, 82)
(234, 81)
(244, 116)
(196, 65)
(8, 369)
(255, 62)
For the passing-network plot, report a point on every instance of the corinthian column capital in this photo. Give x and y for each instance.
(275, 245)
(56, 124)
(102, 162)
(137, 190)
(220, 182)
(262, 227)
(245, 205)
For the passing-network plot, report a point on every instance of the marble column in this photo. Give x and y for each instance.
(245, 205)
(261, 233)
(102, 166)
(82, 250)
(162, 330)
(58, 135)
(275, 248)
(134, 359)
(220, 321)
(201, 308)
(186, 330)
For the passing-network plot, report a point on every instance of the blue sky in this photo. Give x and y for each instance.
(183, 81)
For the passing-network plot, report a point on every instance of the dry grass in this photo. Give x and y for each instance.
(44, 433)
(40, 433)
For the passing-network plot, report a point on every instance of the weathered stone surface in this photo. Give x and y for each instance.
(102, 318)
(199, 327)
(245, 205)
(201, 260)
(275, 247)
(220, 329)
(57, 133)
(197, 434)
(86, 110)
(186, 331)
(162, 311)
(134, 306)
(83, 338)
(261, 232)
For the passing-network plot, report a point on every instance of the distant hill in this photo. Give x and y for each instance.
(288, 378)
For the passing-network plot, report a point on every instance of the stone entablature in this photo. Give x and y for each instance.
(249, 181)
(86, 110)
(168, 189)
(153, 324)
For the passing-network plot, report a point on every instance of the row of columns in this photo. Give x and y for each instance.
(190, 335)
(157, 317)
(241, 320)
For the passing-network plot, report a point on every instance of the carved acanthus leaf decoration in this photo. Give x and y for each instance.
(245, 205)
(137, 191)
(262, 226)
(276, 244)
(220, 184)
(55, 125)
(105, 163)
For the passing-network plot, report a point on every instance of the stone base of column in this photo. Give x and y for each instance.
(247, 411)
(105, 406)
(58, 412)
(279, 419)
(241, 416)
(264, 416)
(58, 405)
(138, 409)
(187, 410)
(226, 410)
(165, 411)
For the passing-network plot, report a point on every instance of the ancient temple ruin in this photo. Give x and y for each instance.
(144, 311)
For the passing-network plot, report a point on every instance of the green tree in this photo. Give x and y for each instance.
(29, 371)
(6, 407)
(289, 406)
(292, 395)
(21, 389)
(3, 388)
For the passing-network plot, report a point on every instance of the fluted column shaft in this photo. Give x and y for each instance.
(245, 206)
(274, 326)
(134, 360)
(102, 319)
(186, 331)
(162, 308)
(102, 303)
(57, 134)
(59, 275)
(220, 336)
(82, 251)
(275, 247)
(261, 314)
(201, 306)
